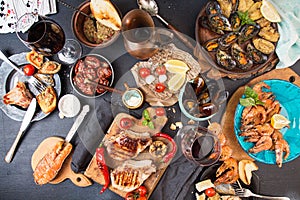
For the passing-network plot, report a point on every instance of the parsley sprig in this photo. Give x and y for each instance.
(251, 98)
(244, 16)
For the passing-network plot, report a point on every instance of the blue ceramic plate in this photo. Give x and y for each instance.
(288, 95)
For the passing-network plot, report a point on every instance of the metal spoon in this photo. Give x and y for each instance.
(151, 7)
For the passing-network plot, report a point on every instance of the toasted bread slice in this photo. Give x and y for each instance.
(47, 100)
(245, 170)
(35, 59)
(105, 12)
(50, 67)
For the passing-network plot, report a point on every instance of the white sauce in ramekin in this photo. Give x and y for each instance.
(68, 106)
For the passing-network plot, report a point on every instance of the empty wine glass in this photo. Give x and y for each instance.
(46, 37)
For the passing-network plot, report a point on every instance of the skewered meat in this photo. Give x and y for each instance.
(19, 95)
(131, 174)
(127, 144)
(51, 163)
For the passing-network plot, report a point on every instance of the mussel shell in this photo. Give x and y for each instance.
(203, 21)
(255, 55)
(212, 8)
(225, 60)
(219, 22)
(240, 56)
(212, 45)
(228, 39)
(247, 32)
(235, 21)
(207, 109)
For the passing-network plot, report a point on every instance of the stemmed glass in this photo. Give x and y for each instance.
(45, 36)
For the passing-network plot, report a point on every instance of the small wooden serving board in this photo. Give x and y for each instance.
(95, 174)
(228, 117)
(65, 172)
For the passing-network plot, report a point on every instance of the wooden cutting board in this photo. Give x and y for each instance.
(95, 174)
(66, 172)
(228, 117)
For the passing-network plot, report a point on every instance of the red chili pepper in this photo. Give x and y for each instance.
(103, 167)
(170, 155)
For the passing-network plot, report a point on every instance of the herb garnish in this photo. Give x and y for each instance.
(244, 16)
(251, 98)
(147, 119)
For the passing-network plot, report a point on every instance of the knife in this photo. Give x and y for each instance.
(77, 123)
(26, 121)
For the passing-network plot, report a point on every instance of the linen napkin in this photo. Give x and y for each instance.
(288, 47)
(11, 10)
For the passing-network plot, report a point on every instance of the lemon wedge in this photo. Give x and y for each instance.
(176, 82)
(279, 121)
(176, 66)
(269, 12)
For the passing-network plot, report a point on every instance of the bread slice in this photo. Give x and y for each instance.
(105, 12)
(50, 67)
(47, 100)
(35, 59)
(246, 167)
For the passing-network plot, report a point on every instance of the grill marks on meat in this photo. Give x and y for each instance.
(19, 95)
(127, 144)
(89, 72)
(51, 163)
(131, 174)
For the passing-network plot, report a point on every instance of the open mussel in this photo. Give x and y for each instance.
(219, 22)
(235, 21)
(212, 45)
(225, 60)
(212, 8)
(203, 21)
(248, 31)
(255, 55)
(228, 39)
(239, 55)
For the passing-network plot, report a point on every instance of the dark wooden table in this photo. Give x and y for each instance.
(16, 181)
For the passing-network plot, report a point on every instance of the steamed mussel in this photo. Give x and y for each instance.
(212, 8)
(228, 39)
(248, 31)
(239, 55)
(235, 21)
(255, 55)
(225, 60)
(205, 23)
(219, 22)
(212, 45)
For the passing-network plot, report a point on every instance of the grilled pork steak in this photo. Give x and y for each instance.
(127, 144)
(131, 174)
(19, 95)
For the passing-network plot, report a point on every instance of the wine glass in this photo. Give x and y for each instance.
(199, 145)
(46, 37)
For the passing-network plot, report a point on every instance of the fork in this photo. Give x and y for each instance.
(244, 192)
(40, 87)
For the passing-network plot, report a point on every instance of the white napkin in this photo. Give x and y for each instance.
(10, 10)
(288, 47)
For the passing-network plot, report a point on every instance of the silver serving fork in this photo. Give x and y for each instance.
(244, 192)
(40, 87)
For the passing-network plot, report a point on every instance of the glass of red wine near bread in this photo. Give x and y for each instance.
(199, 145)
(46, 37)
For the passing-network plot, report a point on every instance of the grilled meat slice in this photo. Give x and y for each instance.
(19, 95)
(131, 174)
(127, 144)
(51, 163)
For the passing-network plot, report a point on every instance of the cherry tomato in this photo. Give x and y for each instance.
(142, 190)
(144, 72)
(29, 70)
(129, 196)
(142, 198)
(126, 123)
(161, 70)
(210, 192)
(160, 111)
(160, 87)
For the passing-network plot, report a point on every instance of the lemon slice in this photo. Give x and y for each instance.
(279, 121)
(105, 12)
(176, 66)
(269, 12)
(176, 82)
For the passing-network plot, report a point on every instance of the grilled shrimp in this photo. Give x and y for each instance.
(281, 146)
(264, 143)
(228, 172)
